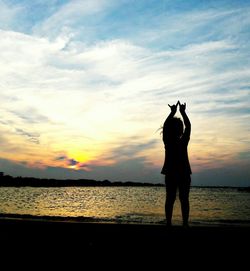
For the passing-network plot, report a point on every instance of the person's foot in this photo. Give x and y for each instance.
(185, 225)
(169, 224)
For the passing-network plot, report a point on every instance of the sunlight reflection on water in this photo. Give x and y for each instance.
(124, 204)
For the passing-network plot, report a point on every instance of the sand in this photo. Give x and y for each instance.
(63, 240)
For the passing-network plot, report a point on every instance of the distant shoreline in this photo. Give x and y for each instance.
(9, 181)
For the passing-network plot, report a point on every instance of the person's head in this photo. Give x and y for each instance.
(175, 127)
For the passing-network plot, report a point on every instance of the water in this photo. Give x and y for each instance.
(126, 204)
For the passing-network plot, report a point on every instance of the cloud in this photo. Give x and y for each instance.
(25, 170)
(30, 115)
(72, 163)
(244, 155)
(237, 175)
(17, 143)
(83, 81)
(196, 23)
(6, 146)
(61, 158)
(68, 16)
(144, 80)
(32, 137)
(130, 148)
(9, 14)
(118, 157)
(134, 169)
(131, 170)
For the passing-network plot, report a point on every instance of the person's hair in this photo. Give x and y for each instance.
(175, 127)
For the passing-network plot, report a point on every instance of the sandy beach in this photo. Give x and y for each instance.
(48, 238)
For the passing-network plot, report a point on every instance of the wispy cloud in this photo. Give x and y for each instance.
(30, 115)
(72, 163)
(67, 17)
(130, 148)
(31, 136)
(8, 14)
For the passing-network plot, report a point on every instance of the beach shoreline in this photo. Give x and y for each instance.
(63, 241)
(17, 227)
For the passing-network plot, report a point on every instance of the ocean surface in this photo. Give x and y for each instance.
(126, 204)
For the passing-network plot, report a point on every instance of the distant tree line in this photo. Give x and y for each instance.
(9, 181)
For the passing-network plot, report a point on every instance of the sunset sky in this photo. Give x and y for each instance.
(85, 86)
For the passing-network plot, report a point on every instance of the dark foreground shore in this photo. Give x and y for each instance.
(46, 239)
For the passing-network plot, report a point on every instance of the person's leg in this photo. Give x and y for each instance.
(170, 198)
(184, 188)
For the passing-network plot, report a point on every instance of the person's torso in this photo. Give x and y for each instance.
(176, 157)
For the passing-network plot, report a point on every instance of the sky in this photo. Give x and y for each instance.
(85, 87)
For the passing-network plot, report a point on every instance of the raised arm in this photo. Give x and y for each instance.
(172, 113)
(185, 119)
(169, 117)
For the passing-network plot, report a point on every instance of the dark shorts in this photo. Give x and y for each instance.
(181, 183)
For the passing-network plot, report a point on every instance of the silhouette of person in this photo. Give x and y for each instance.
(176, 166)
